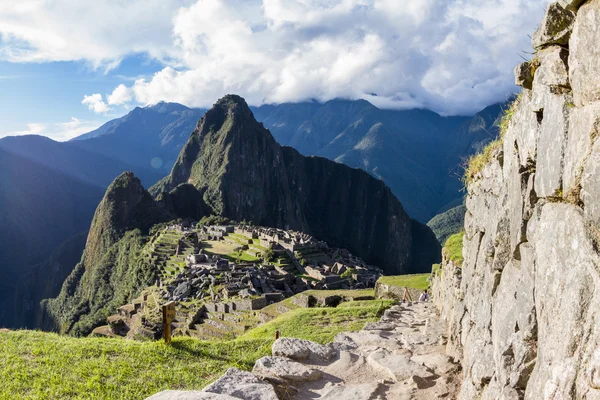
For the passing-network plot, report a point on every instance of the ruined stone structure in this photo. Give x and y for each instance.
(523, 309)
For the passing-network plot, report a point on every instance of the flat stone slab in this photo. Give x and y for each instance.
(300, 349)
(366, 391)
(379, 326)
(285, 368)
(399, 367)
(242, 385)
(189, 395)
(438, 362)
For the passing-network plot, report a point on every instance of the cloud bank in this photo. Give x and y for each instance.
(450, 56)
(60, 131)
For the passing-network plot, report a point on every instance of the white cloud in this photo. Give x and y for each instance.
(121, 95)
(95, 103)
(60, 131)
(451, 56)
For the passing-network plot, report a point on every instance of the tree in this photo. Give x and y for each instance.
(268, 255)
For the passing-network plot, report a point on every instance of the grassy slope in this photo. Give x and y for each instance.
(36, 365)
(321, 324)
(417, 281)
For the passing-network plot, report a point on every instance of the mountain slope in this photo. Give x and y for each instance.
(148, 137)
(81, 164)
(417, 153)
(111, 269)
(244, 174)
(39, 209)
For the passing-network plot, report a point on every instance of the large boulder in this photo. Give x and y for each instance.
(299, 349)
(285, 368)
(555, 28)
(584, 55)
(242, 385)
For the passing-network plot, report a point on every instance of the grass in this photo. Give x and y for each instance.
(477, 162)
(320, 324)
(36, 365)
(453, 247)
(416, 281)
(225, 250)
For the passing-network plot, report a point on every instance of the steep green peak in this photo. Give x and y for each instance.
(126, 205)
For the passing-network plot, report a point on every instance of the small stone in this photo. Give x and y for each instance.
(523, 75)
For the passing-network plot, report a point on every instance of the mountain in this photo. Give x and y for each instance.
(417, 153)
(232, 166)
(244, 174)
(148, 137)
(39, 209)
(71, 160)
(111, 269)
(448, 223)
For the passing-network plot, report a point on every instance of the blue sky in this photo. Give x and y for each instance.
(67, 66)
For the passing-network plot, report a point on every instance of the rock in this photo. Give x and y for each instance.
(584, 126)
(551, 146)
(379, 326)
(584, 55)
(286, 369)
(437, 362)
(398, 367)
(299, 349)
(555, 28)
(351, 392)
(242, 385)
(523, 75)
(189, 395)
(571, 5)
(182, 291)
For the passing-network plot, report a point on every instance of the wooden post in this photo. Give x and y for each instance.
(276, 335)
(168, 311)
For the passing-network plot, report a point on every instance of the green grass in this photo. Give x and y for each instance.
(453, 247)
(477, 162)
(320, 324)
(416, 281)
(36, 365)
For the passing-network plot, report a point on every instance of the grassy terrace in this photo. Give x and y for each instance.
(321, 324)
(416, 281)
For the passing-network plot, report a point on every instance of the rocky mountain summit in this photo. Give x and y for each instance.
(243, 174)
(523, 308)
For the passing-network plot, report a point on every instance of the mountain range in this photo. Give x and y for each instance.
(415, 152)
(231, 166)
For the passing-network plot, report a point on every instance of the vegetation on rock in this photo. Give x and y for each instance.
(454, 246)
(448, 223)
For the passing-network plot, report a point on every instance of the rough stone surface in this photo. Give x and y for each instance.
(524, 75)
(522, 310)
(555, 28)
(572, 5)
(285, 368)
(242, 385)
(584, 54)
(299, 349)
(189, 395)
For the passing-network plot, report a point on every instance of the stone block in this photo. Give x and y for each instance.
(555, 28)
(584, 55)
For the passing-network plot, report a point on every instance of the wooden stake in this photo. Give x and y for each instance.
(168, 311)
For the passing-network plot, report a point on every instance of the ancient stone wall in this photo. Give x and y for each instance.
(524, 309)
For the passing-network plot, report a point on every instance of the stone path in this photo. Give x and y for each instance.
(401, 357)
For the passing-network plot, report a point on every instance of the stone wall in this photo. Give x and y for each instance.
(523, 312)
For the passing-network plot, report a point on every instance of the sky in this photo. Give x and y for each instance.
(68, 66)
